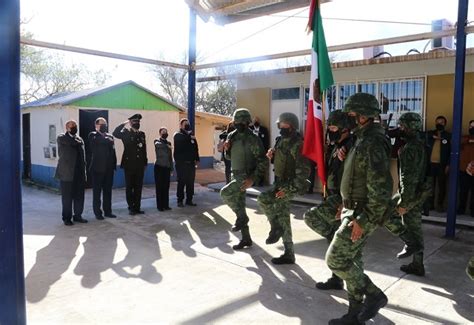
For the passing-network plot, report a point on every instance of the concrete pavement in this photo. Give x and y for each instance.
(178, 267)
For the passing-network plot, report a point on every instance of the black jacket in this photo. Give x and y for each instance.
(263, 135)
(102, 148)
(70, 152)
(163, 153)
(445, 146)
(185, 147)
(134, 151)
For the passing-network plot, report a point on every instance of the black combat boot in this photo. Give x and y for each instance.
(372, 304)
(241, 222)
(246, 240)
(351, 317)
(275, 233)
(416, 267)
(288, 257)
(333, 283)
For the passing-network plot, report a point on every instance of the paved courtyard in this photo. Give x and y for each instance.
(178, 267)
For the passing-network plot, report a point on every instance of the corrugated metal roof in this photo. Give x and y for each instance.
(231, 11)
(71, 97)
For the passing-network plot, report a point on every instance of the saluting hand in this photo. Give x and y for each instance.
(357, 231)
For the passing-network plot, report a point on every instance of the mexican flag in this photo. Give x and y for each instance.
(321, 79)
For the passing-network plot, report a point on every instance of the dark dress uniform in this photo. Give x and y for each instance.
(134, 161)
(71, 172)
(186, 154)
(102, 166)
(163, 168)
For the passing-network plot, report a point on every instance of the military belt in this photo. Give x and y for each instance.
(352, 204)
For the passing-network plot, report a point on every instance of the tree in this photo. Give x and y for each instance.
(44, 74)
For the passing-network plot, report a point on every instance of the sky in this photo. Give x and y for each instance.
(158, 29)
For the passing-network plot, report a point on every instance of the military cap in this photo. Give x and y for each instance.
(242, 115)
(338, 118)
(289, 118)
(135, 117)
(363, 104)
(411, 121)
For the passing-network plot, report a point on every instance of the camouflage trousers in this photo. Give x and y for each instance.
(322, 218)
(344, 258)
(277, 212)
(235, 198)
(408, 228)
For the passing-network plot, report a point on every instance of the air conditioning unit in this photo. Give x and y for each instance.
(370, 52)
(442, 42)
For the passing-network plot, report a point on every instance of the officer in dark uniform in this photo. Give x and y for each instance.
(134, 160)
(102, 167)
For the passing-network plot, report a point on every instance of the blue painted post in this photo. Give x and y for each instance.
(457, 117)
(12, 279)
(192, 70)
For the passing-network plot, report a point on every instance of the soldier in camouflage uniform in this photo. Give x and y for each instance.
(325, 218)
(366, 189)
(470, 268)
(291, 174)
(405, 220)
(247, 156)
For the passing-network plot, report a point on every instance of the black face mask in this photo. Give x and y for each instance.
(103, 128)
(471, 131)
(256, 124)
(241, 127)
(164, 136)
(334, 136)
(136, 125)
(73, 130)
(351, 122)
(285, 132)
(187, 127)
(440, 127)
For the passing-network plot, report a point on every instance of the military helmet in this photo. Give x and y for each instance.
(363, 104)
(338, 118)
(289, 118)
(411, 121)
(242, 115)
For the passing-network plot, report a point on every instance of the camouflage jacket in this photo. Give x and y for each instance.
(366, 184)
(412, 170)
(335, 167)
(246, 154)
(291, 168)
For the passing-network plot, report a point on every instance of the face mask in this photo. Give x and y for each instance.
(187, 127)
(103, 128)
(439, 127)
(256, 124)
(285, 132)
(334, 136)
(351, 121)
(136, 125)
(241, 127)
(471, 131)
(73, 130)
(164, 135)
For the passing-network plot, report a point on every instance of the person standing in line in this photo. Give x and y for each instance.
(227, 162)
(102, 168)
(438, 142)
(71, 172)
(245, 151)
(366, 190)
(134, 160)
(262, 133)
(291, 174)
(186, 157)
(466, 181)
(163, 169)
(325, 218)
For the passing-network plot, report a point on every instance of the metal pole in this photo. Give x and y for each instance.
(12, 285)
(192, 68)
(457, 117)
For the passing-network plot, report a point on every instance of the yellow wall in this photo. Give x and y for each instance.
(257, 101)
(439, 99)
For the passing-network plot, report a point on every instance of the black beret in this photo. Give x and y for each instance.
(135, 117)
